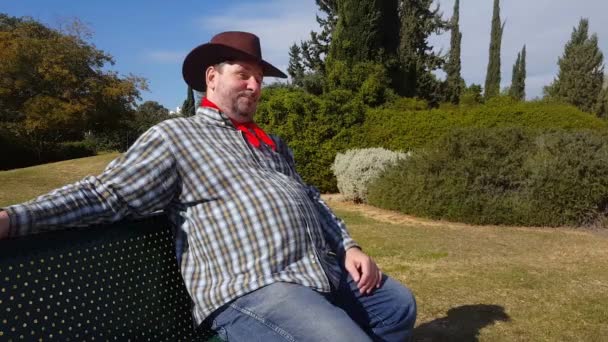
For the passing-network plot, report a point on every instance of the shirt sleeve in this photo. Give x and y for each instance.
(334, 228)
(139, 182)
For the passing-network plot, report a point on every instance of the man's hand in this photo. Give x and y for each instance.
(363, 270)
(3, 225)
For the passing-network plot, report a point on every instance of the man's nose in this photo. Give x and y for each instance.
(254, 84)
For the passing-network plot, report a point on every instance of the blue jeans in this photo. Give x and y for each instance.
(291, 312)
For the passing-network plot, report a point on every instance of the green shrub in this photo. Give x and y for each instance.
(21, 152)
(318, 127)
(355, 169)
(407, 104)
(118, 139)
(315, 127)
(15, 150)
(567, 178)
(472, 96)
(502, 176)
(400, 128)
(72, 150)
(368, 81)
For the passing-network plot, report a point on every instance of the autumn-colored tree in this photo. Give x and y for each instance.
(53, 86)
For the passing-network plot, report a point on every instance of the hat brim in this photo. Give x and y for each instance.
(205, 55)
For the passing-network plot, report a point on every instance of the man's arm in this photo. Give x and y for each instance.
(139, 182)
(333, 226)
(359, 265)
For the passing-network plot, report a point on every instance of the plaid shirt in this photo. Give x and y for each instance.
(243, 218)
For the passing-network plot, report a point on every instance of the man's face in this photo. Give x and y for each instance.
(236, 88)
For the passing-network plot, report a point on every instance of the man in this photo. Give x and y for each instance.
(261, 254)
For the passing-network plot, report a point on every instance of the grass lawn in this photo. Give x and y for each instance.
(20, 185)
(471, 282)
(491, 283)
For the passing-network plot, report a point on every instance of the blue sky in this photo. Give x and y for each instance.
(151, 38)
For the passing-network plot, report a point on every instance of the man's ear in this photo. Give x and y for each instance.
(210, 76)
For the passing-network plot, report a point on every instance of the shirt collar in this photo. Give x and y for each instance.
(253, 133)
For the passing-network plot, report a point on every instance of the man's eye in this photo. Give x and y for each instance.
(246, 76)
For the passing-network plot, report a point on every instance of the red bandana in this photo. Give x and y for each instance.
(252, 132)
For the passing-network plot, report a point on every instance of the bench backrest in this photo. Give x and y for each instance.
(113, 282)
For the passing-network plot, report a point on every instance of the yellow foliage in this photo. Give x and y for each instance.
(53, 85)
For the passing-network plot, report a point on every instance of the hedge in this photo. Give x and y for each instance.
(399, 128)
(508, 176)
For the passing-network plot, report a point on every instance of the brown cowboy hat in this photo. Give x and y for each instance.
(225, 46)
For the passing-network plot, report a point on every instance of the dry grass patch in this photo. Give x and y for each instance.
(491, 283)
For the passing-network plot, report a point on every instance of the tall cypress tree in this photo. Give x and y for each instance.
(492, 85)
(416, 57)
(518, 78)
(515, 77)
(307, 60)
(365, 31)
(581, 70)
(364, 42)
(522, 74)
(389, 28)
(316, 49)
(295, 69)
(188, 107)
(454, 82)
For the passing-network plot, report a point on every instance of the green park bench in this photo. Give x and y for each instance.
(114, 282)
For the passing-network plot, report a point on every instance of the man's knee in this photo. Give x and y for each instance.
(403, 312)
(398, 316)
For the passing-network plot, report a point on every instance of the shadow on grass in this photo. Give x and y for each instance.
(462, 323)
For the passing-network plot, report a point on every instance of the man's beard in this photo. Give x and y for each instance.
(245, 105)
